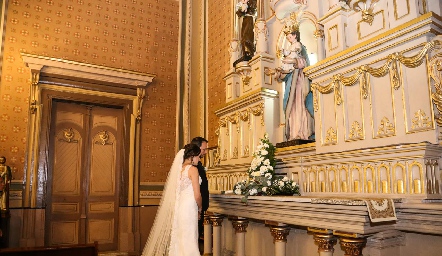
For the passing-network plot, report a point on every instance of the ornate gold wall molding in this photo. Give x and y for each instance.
(356, 131)
(389, 67)
(386, 128)
(331, 137)
(435, 73)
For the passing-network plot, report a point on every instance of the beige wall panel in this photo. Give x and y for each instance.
(382, 102)
(366, 30)
(354, 119)
(327, 119)
(417, 102)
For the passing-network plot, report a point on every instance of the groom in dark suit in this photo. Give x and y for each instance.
(204, 187)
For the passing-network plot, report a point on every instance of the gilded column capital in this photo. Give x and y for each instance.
(206, 219)
(325, 242)
(279, 233)
(216, 220)
(240, 226)
(352, 246)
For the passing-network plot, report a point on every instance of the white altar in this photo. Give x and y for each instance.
(375, 74)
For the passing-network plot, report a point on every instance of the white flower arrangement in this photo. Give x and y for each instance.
(262, 179)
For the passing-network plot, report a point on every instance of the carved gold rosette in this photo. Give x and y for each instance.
(240, 226)
(353, 246)
(325, 242)
(279, 234)
(216, 221)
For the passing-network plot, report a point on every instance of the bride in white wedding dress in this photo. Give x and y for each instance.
(175, 229)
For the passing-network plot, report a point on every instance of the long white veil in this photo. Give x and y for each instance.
(159, 237)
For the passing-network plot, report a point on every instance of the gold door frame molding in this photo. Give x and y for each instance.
(127, 85)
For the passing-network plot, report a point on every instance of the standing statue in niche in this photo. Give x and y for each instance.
(247, 10)
(298, 99)
(5, 179)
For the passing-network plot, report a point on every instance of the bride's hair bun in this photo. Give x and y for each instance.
(191, 150)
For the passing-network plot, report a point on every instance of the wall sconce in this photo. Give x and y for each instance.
(366, 7)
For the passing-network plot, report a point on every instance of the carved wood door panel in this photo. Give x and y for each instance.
(83, 182)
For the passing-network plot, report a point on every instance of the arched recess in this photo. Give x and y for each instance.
(75, 81)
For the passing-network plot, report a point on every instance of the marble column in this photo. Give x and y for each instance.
(352, 246)
(325, 243)
(217, 221)
(207, 235)
(240, 226)
(280, 234)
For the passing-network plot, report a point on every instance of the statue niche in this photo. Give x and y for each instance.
(297, 99)
(246, 9)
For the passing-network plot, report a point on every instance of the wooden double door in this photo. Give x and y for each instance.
(84, 174)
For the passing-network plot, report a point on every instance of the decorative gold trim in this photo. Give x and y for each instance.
(240, 226)
(331, 137)
(361, 45)
(424, 6)
(81, 64)
(435, 73)
(418, 59)
(235, 153)
(400, 188)
(279, 234)
(353, 246)
(246, 81)
(390, 66)
(216, 221)
(319, 230)
(325, 242)
(103, 137)
(315, 88)
(68, 136)
(348, 235)
(254, 94)
(420, 184)
(206, 219)
(141, 93)
(395, 9)
(421, 121)
(360, 37)
(356, 131)
(367, 11)
(319, 33)
(246, 151)
(384, 185)
(386, 128)
(330, 37)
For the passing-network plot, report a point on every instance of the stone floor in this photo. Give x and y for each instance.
(201, 246)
